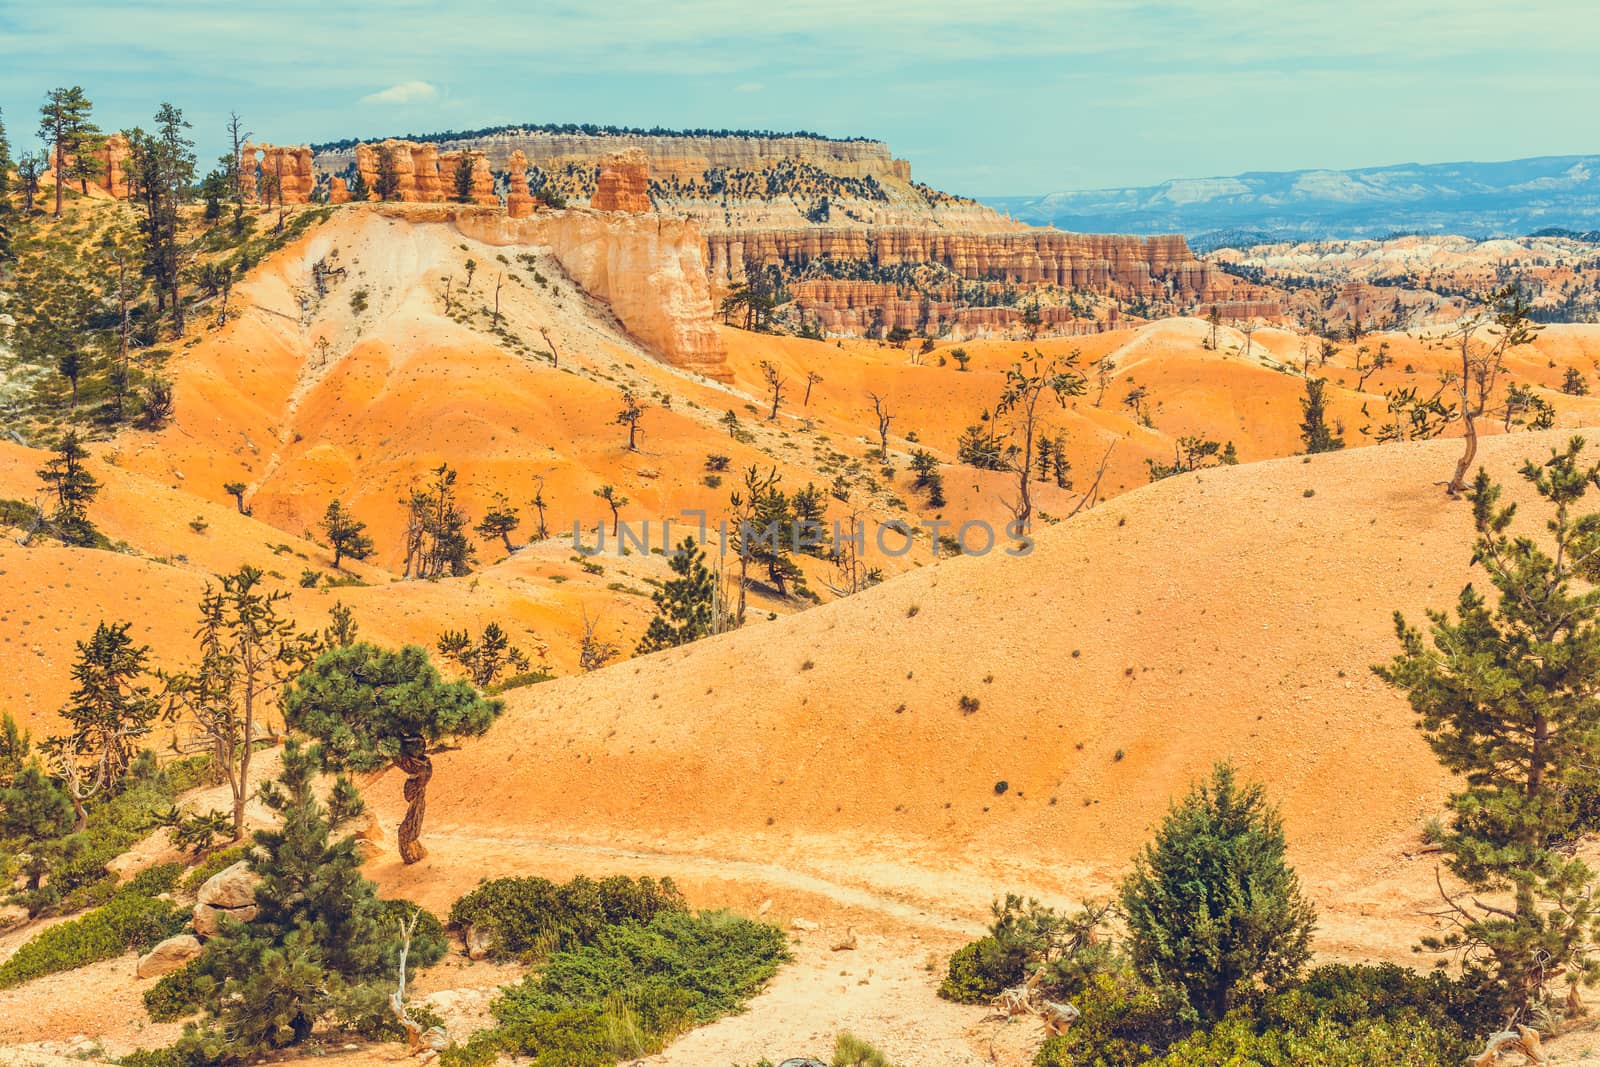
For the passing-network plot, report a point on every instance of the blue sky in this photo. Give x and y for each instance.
(984, 98)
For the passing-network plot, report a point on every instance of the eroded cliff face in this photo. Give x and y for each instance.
(842, 223)
(842, 306)
(1102, 263)
(650, 269)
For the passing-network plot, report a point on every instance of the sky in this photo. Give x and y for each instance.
(984, 97)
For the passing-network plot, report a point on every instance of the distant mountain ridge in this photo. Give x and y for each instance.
(1510, 198)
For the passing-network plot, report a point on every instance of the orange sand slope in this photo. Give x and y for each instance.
(1231, 614)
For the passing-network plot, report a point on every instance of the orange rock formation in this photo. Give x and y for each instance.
(274, 167)
(519, 201)
(423, 174)
(624, 183)
(110, 165)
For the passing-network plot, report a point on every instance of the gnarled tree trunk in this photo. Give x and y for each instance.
(414, 761)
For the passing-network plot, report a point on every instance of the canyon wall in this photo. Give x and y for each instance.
(841, 306)
(1102, 263)
(650, 269)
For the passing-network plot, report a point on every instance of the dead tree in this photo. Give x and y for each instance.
(424, 1044)
(594, 653)
(775, 382)
(1523, 1039)
(884, 418)
(65, 768)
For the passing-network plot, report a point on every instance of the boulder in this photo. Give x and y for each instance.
(208, 919)
(478, 942)
(804, 925)
(168, 956)
(232, 887)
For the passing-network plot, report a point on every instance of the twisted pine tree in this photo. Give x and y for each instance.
(1508, 698)
(1212, 908)
(372, 706)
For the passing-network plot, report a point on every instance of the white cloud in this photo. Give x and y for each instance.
(749, 87)
(404, 93)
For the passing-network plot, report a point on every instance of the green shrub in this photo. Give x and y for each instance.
(531, 917)
(132, 920)
(1238, 1039)
(176, 995)
(980, 970)
(76, 864)
(1342, 1016)
(1024, 935)
(635, 987)
(1121, 1023)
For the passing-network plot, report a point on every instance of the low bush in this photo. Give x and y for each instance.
(980, 970)
(133, 919)
(633, 988)
(528, 918)
(176, 995)
(1352, 1016)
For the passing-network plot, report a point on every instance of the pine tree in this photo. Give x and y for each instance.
(357, 188)
(112, 707)
(1508, 698)
(15, 746)
(162, 168)
(5, 167)
(372, 707)
(486, 657)
(65, 128)
(685, 605)
(346, 533)
(1314, 431)
(436, 525)
(1028, 382)
(501, 520)
(629, 415)
(1212, 908)
(462, 178)
(33, 809)
(388, 182)
(320, 943)
(74, 488)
